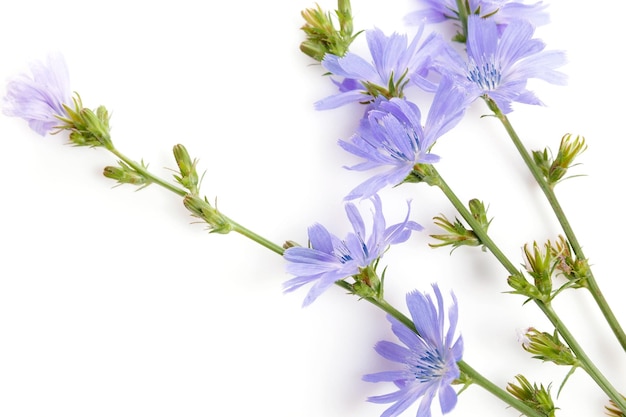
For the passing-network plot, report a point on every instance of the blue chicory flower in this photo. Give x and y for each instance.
(329, 259)
(39, 97)
(501, 11)
(394, 64)
(500, 66)
(428, 359)
(391, 136)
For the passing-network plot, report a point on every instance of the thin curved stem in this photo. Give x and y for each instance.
(147, 174)
(592, 284)
(558, 324)
(236, 227)
(586, 363)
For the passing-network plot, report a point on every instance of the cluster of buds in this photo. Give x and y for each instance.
(575, 270)
(321, 35)
(542, 263)
(458, 234)
(87, 127)
(536, 397)
(187, 176)
(554, 169)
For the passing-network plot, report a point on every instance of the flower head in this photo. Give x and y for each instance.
(329, 259)
(499, 67)
(428, 358)
(501, 11)
(39, 97)
(391, 136)
(394, 64)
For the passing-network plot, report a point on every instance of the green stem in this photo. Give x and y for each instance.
(592, 284)
(182, 192)
(486, 384)
(586, 363)
(257, 238)
(477, 228)
(146, 174)
(463, 12)
(474, 224)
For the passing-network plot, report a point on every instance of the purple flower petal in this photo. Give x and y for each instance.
(39, 97)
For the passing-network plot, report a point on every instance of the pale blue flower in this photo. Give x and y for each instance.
(428, 357)
(39, 97)
(392, 140)
(501, 11)
(329, 259)
(394, 64)
(499, 67)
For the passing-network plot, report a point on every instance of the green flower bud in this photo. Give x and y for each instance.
(322, 36)
(538, 398)
(479, 212)
(290, 244)
(540, 266)
(554, 169)
(125, 175)
(188, 177)
(217, 222)
(575, 270)
(548, 347)
(457, 234)
(86, 127)
(424, 173)
(521, 286)
(367, 283)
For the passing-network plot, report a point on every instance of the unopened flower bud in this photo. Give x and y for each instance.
(521, 286)
(290, 244)
(457, 234)
(554, 169)
(217, 222)
(538, 263)
(536, 397)
(125, 175)
(322, 36)
(367, 284)
(188, 177)
(575, 270)
(86, 127)
(548, 347)
(479, 212)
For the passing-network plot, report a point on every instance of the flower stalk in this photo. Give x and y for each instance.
(591, 283)
(540, 299)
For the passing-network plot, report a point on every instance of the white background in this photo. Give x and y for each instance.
(114, 303)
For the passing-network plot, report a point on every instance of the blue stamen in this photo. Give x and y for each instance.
(487, 76)
(428, 366)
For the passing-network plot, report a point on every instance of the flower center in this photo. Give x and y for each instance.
(487, 75)
(430, 365)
